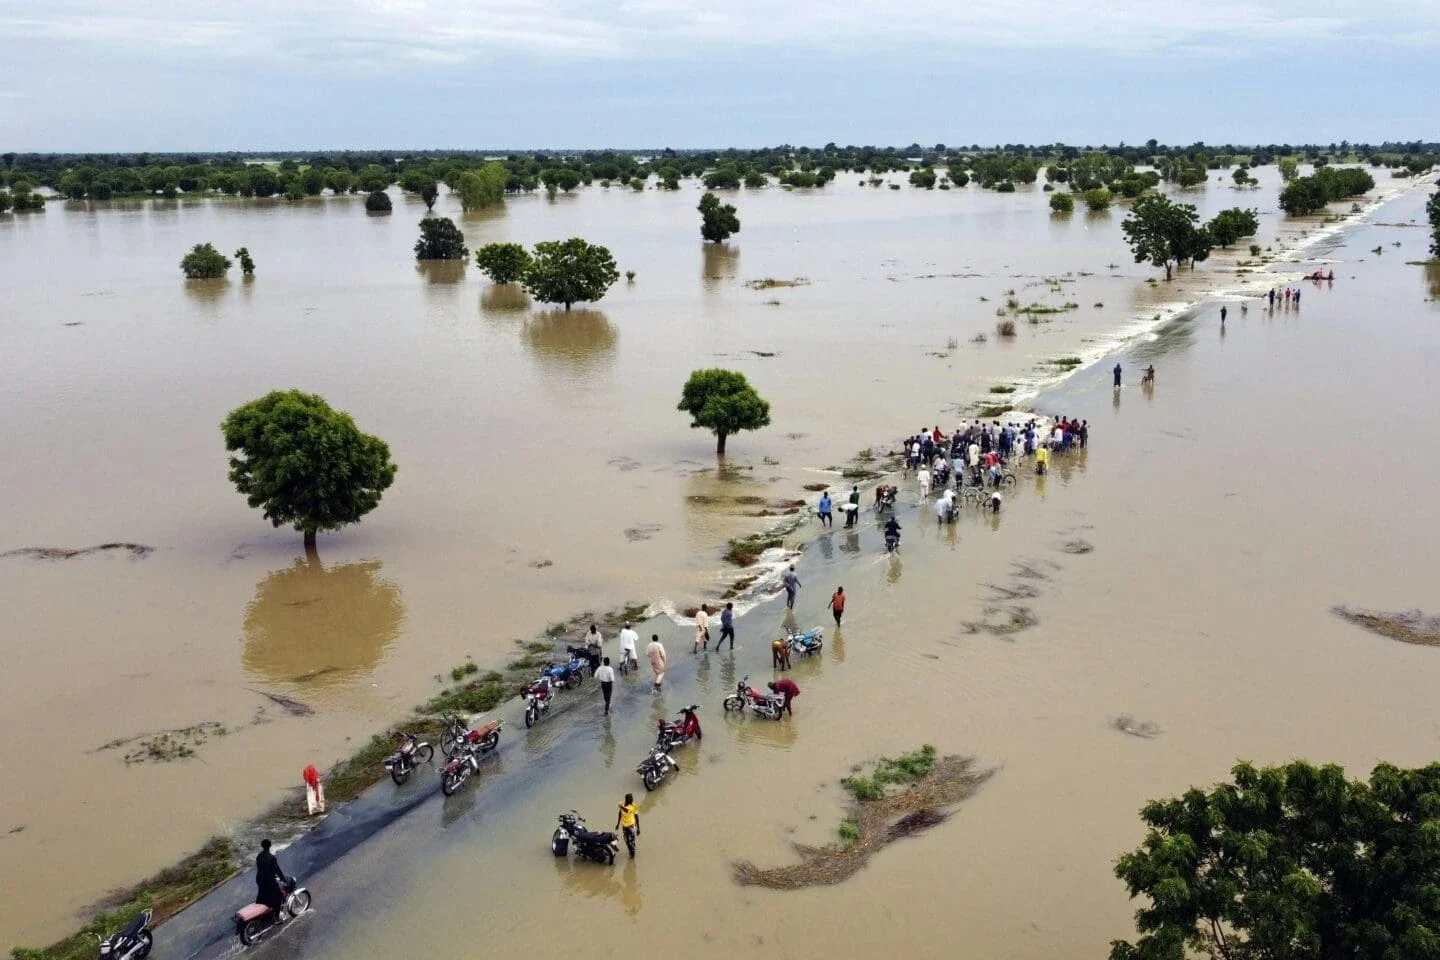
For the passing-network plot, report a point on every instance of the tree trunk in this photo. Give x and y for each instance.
(1167, 271)
(567, 304)
(310, 549)
(720, 444)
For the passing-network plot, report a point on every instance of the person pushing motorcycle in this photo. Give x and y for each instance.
(627, 821)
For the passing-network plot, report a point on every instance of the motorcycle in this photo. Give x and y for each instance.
(656, 767)
(538, 695)
(811, 641)
(132, 942)
(257, 921)
(467, 759)
(413, 752)
(458, 735)
(885, 496)
(569, 675)
(764, 704)
(892, 540)
(592, 845)
(672, 735)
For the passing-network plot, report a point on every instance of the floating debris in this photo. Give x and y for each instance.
(1143, 729)
(643, 532)
(1002, 622)
(1077, 547)
(290, 705)
(1408, 627)
(137, 551)
(165, 746)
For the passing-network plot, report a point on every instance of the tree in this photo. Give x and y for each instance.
(482, 188)
(204, 262)
(1097, 198)
(1165, 233)
(1289, 168)
(339, 181)
(923, 178)
(304, 463)
(378, 201)
(1302, 196)
(755, 179)
(717, 221)
(4, 201)
(263, 182)
(1227, 226)
(723, 402)
(503, 262)
(1432, 207)
(1062, 202)
(429, 192)
(440, 239)
(247, 263)
(569, 271)
(723, 177)
(1295, 861)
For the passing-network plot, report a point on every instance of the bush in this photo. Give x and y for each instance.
(923, 178)
(1004, 186)
(378, 202)
(1097, 198)
(1005, 328)
(204, 262)
(1062, 202)
(1227, 226)
(440, 239)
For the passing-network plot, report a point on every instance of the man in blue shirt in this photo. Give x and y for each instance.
(727, 626)
(792, 584)
(825, 509)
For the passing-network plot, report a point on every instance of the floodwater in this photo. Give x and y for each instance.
(1228, 509)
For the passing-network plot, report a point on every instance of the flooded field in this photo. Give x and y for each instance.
(544, 471)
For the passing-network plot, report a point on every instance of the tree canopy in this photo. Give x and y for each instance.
(503, 262)
(480, 188)
(440, 239)
(569, 271)
(717, 221)
(723, 402)
(1295, 862)
(204, 262)
(1432, 208)
(378, 201)
(305, 464)
(1227, 226)
(1305, 195)
(1165, 233)
(1062, 202)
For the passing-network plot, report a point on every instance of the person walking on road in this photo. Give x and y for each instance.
(837, 605)
(702, 629)
(656, 654)
(628, 822)
(606, 676)
(792, 585)
(1117, 376)
(1223, 313)
(727, 626)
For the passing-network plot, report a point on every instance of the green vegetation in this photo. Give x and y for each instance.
(247, 263)
(717, 221)
(305, 464)
(485, 187)
(1002, 388)
(464, 670)
(474, 696)
(440, 239)
(1306, 195)
(569, 271)
(1290, 861)
(745, 551)
(1065, 362)
(1005, 328)
(900, 771)
(1242, 176)
(1432, 209)
(723, 402)
(1062, 202)
(503, 262)
(995, 410)
(1227, 226)
(1165, 233)
(378, 201)
(1097, 199)
(1289, 168)
(924, 178)
(204, 262)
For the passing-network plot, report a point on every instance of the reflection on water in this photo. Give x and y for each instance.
(1432, 279)
(581, 878)
(573, 339)
(441, 271)
(504, 298)
(720, 263)
(206, 292)
(320, 625)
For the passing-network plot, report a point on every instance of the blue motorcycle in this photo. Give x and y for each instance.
(568, 675)
(811, 641)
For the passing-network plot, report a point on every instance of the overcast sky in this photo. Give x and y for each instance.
(109, 75)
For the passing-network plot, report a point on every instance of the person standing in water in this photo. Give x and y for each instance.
(792, 586)
(656, 653)
(628, 641)
(824, 509)
(837, 605)
(702, 629)
(628, 822)
(606, 676)
(727, 626)
(1223, 312)
(1117, 376)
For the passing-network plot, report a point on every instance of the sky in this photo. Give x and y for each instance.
(162, 75)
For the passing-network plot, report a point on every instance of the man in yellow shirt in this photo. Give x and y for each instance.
(628, 822)
(1042, 460)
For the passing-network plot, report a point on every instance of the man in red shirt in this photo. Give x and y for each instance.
(788, 689)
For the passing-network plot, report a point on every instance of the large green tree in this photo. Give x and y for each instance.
(1432, 207)
(723, 402)
(1165, 233)
(440, 239)
(305, 464)
(717, 220)
(1295, 862)
(1227, 226)
(569, 271)
(484, 187)
(503, 262)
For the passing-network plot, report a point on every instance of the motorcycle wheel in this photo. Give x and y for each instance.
(399, 774)
(776, 712)
(252, 930)
(491, 741)
(650, 778)
(450, 782)
(146, 942)
(610, 857)
(425, 754)
(532, 713)
(448, 744)
(298, 903)
(572, 681)
(733, 702)
(559, 843)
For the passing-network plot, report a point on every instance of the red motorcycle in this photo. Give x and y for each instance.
(466, 760)
(674, 735)
(538, 695)
(762, 702)
(257, 921)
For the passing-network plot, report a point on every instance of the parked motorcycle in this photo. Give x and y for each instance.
(132, 942)
(569, 675)
(257, 921)
(467, 760)
(656, 767)
(458, 736)
(537, 694)
(672, 735)
(811, 641)
(765, 704)
(413, 752)
(596, 846)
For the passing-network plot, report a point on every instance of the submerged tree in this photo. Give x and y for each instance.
(1062, 202)
(204, 262)
(1290, 862)
(717, 221)
(481, 188)
(723, 402)
(503, 262)
(304, 463)
(1432, 207)
(247, 263)
(569, 272)
(378, 201)
(429, 192)
(1227, 226)
(1165, 233)
(1097, 198)
(440, 239)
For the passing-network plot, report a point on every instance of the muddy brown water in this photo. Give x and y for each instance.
(1226, 518)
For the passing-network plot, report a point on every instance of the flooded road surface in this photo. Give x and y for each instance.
(1222, 531)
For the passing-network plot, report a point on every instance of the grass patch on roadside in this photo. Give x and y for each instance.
(745, 551)
(1002, 388)
(1067, 363)
(994, 411)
